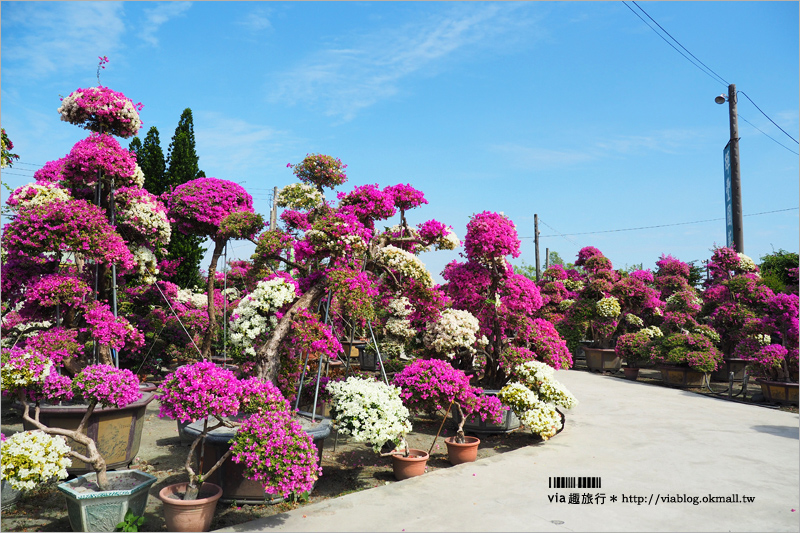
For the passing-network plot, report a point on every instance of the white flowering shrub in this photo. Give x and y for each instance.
(634, 320)
(653, 331)
(565, 304)
(255, 314)
(400, 327)
(147, 264)
(540, 417)
(534, 398)
(455, 329)
(405, 263)
(299, 196)
(369, 411)
(37, 194)
(573, 284)
(608, 307)
(33, 458)
(746, 264)
(145, 214)
(400, 307)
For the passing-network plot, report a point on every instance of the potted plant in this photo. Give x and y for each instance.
(771, 349)
(371, 411)
(687, 357)
(274, 449)
(434, 385)
(534, 395)
(31, 459)
(98, 500)
(637, 348)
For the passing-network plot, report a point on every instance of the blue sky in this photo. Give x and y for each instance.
(575, 111)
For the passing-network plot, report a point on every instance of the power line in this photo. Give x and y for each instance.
(679, 44)
(673, 46)
(773, 139)
(665, 225)
(752, 102)
(708, 71)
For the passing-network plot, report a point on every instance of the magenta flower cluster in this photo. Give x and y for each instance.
(198, 391)
(406, 197)
(276, 452)
(491, 237)
(99, 153)
(109, 330)
(199, 206)
(100, 108)
(433, 384)
(108, 386)
(55, 289)
(368, 203)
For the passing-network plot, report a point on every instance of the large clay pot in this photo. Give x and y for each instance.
(231, 476)
(780, 392)
(462, 452)
(681, 377)
(189, 515)
(602, 359)
(411, 466)
(730, 364)
(117, 431)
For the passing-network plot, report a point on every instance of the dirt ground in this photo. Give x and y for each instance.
(347, 466)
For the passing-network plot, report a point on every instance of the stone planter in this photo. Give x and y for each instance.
(230, 476)
(90, 509)
(681, 377)
(602, 359)
(780, 392)
(117, 432)
(10, 495)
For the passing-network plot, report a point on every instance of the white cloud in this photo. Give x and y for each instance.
(256, 20)
(40, 38)
(539, 158)
(231, 148)
(349, 78)
(158, 16)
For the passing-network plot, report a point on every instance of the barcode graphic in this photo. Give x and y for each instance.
(571, 482)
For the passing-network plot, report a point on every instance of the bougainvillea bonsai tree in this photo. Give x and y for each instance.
(220, 210)
(32, 374)
(433, 385)
(333, 254)
(84, 224)
(502, 301)
(271, 445)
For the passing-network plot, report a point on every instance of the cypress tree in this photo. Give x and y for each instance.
(151, 159)
(182, 166)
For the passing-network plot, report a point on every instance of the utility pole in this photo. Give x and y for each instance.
(736, 176)
(536, 242)
(734, 218)
(546, 258)
(273, 216)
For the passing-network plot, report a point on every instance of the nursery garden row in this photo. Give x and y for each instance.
(94, 326)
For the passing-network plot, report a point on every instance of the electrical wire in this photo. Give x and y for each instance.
(673, 46)
(679, 44)
(752, 102)
(773, 139)
(664, 225)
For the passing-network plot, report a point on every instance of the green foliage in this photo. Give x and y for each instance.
(696, 274)
(529, 271)
(775, 269)
(130, 523)
(555, 259)
(182, 166)
(151, 160)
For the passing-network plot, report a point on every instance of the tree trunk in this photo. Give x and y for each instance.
(219, 246)
(267, 359)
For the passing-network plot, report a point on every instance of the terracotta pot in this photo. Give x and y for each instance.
(631, 372)
(602, 359)
(462, 452)
(189, 515)
(411, 466)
